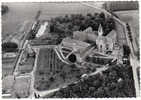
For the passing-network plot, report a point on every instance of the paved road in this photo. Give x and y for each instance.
(24, 42)
(32, 90)
(19, 58)
(21, 47)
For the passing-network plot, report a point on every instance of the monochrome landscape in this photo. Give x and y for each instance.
(70, 49)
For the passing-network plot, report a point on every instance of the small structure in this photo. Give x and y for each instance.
(71, 49)
(73, 44)
(87, 34)
(30, 51)
(104, 43)
(104, 52)
(42, 29)
(9, 55)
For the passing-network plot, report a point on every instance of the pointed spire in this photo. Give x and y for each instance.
(100, 30)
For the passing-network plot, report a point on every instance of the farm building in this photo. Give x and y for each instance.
(87, 34)
(74, 44)
(42, 29)
(9, 55)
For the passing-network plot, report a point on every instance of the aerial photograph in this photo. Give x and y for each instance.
(70, 49)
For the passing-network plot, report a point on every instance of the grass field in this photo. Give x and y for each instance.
(131, 17)
(20, 12)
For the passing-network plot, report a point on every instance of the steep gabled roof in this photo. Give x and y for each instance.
(112, 35)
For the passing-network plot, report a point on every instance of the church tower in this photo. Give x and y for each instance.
(100, 30)
(101, 40)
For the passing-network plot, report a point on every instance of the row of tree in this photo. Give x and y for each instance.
(126, 50)
(33, 32)
(76, 22)
(129, 32)
(117, 81)
(97, 60)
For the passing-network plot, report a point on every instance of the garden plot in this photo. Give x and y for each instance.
(52, 73)
(7, 67)
(21, 87)
(26, 64)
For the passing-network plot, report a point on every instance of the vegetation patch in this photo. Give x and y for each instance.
(65, 25)
(117, 81)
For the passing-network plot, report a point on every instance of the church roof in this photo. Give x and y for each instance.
(101, 38)
(87, 34)
(112, 35)
(71, 43)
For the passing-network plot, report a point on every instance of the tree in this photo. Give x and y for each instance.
(128, 27)
(52, 79)
(102, 15)
(126, 50)
(109, 25)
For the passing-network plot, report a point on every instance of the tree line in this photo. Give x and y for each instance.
(65, 25)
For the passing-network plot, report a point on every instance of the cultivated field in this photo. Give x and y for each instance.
(7, 66)
(131, 17)
(27, 66)
(21, 12)
(26, 63)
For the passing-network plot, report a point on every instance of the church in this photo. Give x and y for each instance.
(105, 43)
